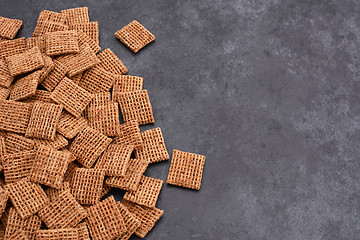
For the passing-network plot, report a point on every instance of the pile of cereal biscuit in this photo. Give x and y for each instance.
(62, 146)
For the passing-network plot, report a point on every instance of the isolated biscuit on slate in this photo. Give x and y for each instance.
(105, 118)
(153, 148)
(18, 165)
(105, 220)
(12, 47)
(57, 234)
(25, 87)
(115, 160)
(147, 216)
(136, 106)
(135, 36)
(86, 185)
(9, 27)
(61, 42)
(5, 78)
(130, 134)
(29, 225)
(127, 83)
(110, 62)
(146, 193)
(44, 120)
(88, 146)
(133, 174)
(27, 61)
(130, 221)
(14, 116)
(15, 143)
(27, 197)
(73, 97)
(69, 125)
(76, 15)
(97, 79)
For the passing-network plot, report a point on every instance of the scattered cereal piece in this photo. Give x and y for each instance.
(61, 42)
(9, 27)
(18, 165)
(14, 116)
(25, 87)
(25, 62)
(126, 83)
(110, 62)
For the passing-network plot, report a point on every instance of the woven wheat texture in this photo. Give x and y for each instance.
(105, 220)
(130, 134)
(98, 99)
(4, 196)
(25, 87)
(58, 143)
(57, 234)
(48, 67)
(5, 78)
(86, 41)
(153, 148)
(69, 125)
(4, 93)
(27, 197)
(83, 231)
(38, 42)
(146, 193)
(55, 76)
(61, 42)
(97, 79)
(40, 96)
(135, 36)
(91, 29)
(12, 47)
(130, 221)
(9, 27)
(127, 83)
(136, 106)
(19, 235)
(25, 62)
(105, 118)
(16, 143)
(45, 26)
(18, 165)
(76, 15)
(53, 193)
(51, 16)
(14, 116)
(110, 62)
(147, 216)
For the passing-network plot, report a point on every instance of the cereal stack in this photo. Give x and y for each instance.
(62, 146)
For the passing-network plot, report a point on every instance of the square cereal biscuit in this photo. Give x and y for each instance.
(49, 167)
(147, 217)
(69, 125)
(88, 146)
(186, 169)
(86, 185)
(62, 212)
(9, 27)
(44, 120)
(130, 221)
(61, 42)
(25, 87)
(27, 61)
(29, 225)
(15, 143)
(57, 234)
(12, 47)
(133, 174)
(127, 83)
(45, 26)
(147, 192)
(18, 165)
(110, 62)
(136, 106)
(76, 15)
(91, 29)
(27, 197)
(5, 78)
(47, 15)
(105, 220)
(115, 160)
(135, 36)
(73, 97)
(153, 148)
(97, 79)
(105, 118)
(14, 116)
(19, 235)
(99, 99)
(130, 134)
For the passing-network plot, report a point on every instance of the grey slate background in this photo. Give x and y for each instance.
(267, 90)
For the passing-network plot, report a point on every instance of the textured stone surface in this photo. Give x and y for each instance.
(268, 90)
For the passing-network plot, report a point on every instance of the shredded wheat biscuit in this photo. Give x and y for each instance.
(29, 225)
(135, 36)
(57, 234)
(97, 79)
(19, 235)
(71, 170)
(40, 96)
(130, 134)
(83, 231)
(48, 67)
(69, 125)
(86, 41)
(126, 83)
(27, 197)
(12, 47)
(153, 149)
(105, 220)
(105, 118)
(86, 185)
(25, 87)
(4, 93)
(135, 170)
(16, 143)
(105, 190)
(45, 26)
(5, 78)
(4, 196)
(73, 97)
(18, 165)
(49, 167)
(98, 99)
(130, 221)
(115, 160)
(55, 76)
(136, 106)
(110, 62)
(91, 29)
(53, 193)
(61, 42)
(47, 15)
(9, 27)
(58, 143)
(36, 42)
(76, 15)
(88, 146)
(27, 61)
(14, 116)
(147, 216)
(5, 215)
(63, 212)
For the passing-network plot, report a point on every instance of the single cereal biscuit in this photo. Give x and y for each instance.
(97, 79)
(25, 87)
(147, 217)
(58, 143)
(136, 106)
(63, 212)
(69, 125)
(25, 62)
(29, 225)
(44, 120)
(153, 149)
(5, 78)
(49, 167)
(14, 116)
(91, 29)
(4, 196)
(55, 76)
(18, 165)
(133, 174)
(76, 15)
(130, 134)
(88, 146)
(45, 26)
(27, 197)
(99, 99)
(12, 47)
(61, 42)
(115, 160)
(186, 169)
(105, 220)
(110, 62)
(73, 97)
(105, 118)
(130, 221)
(9, 27)
(147, 192)
(57, 234)
(135, 36)
(17, 143)
(127, 83)
(86, 185)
